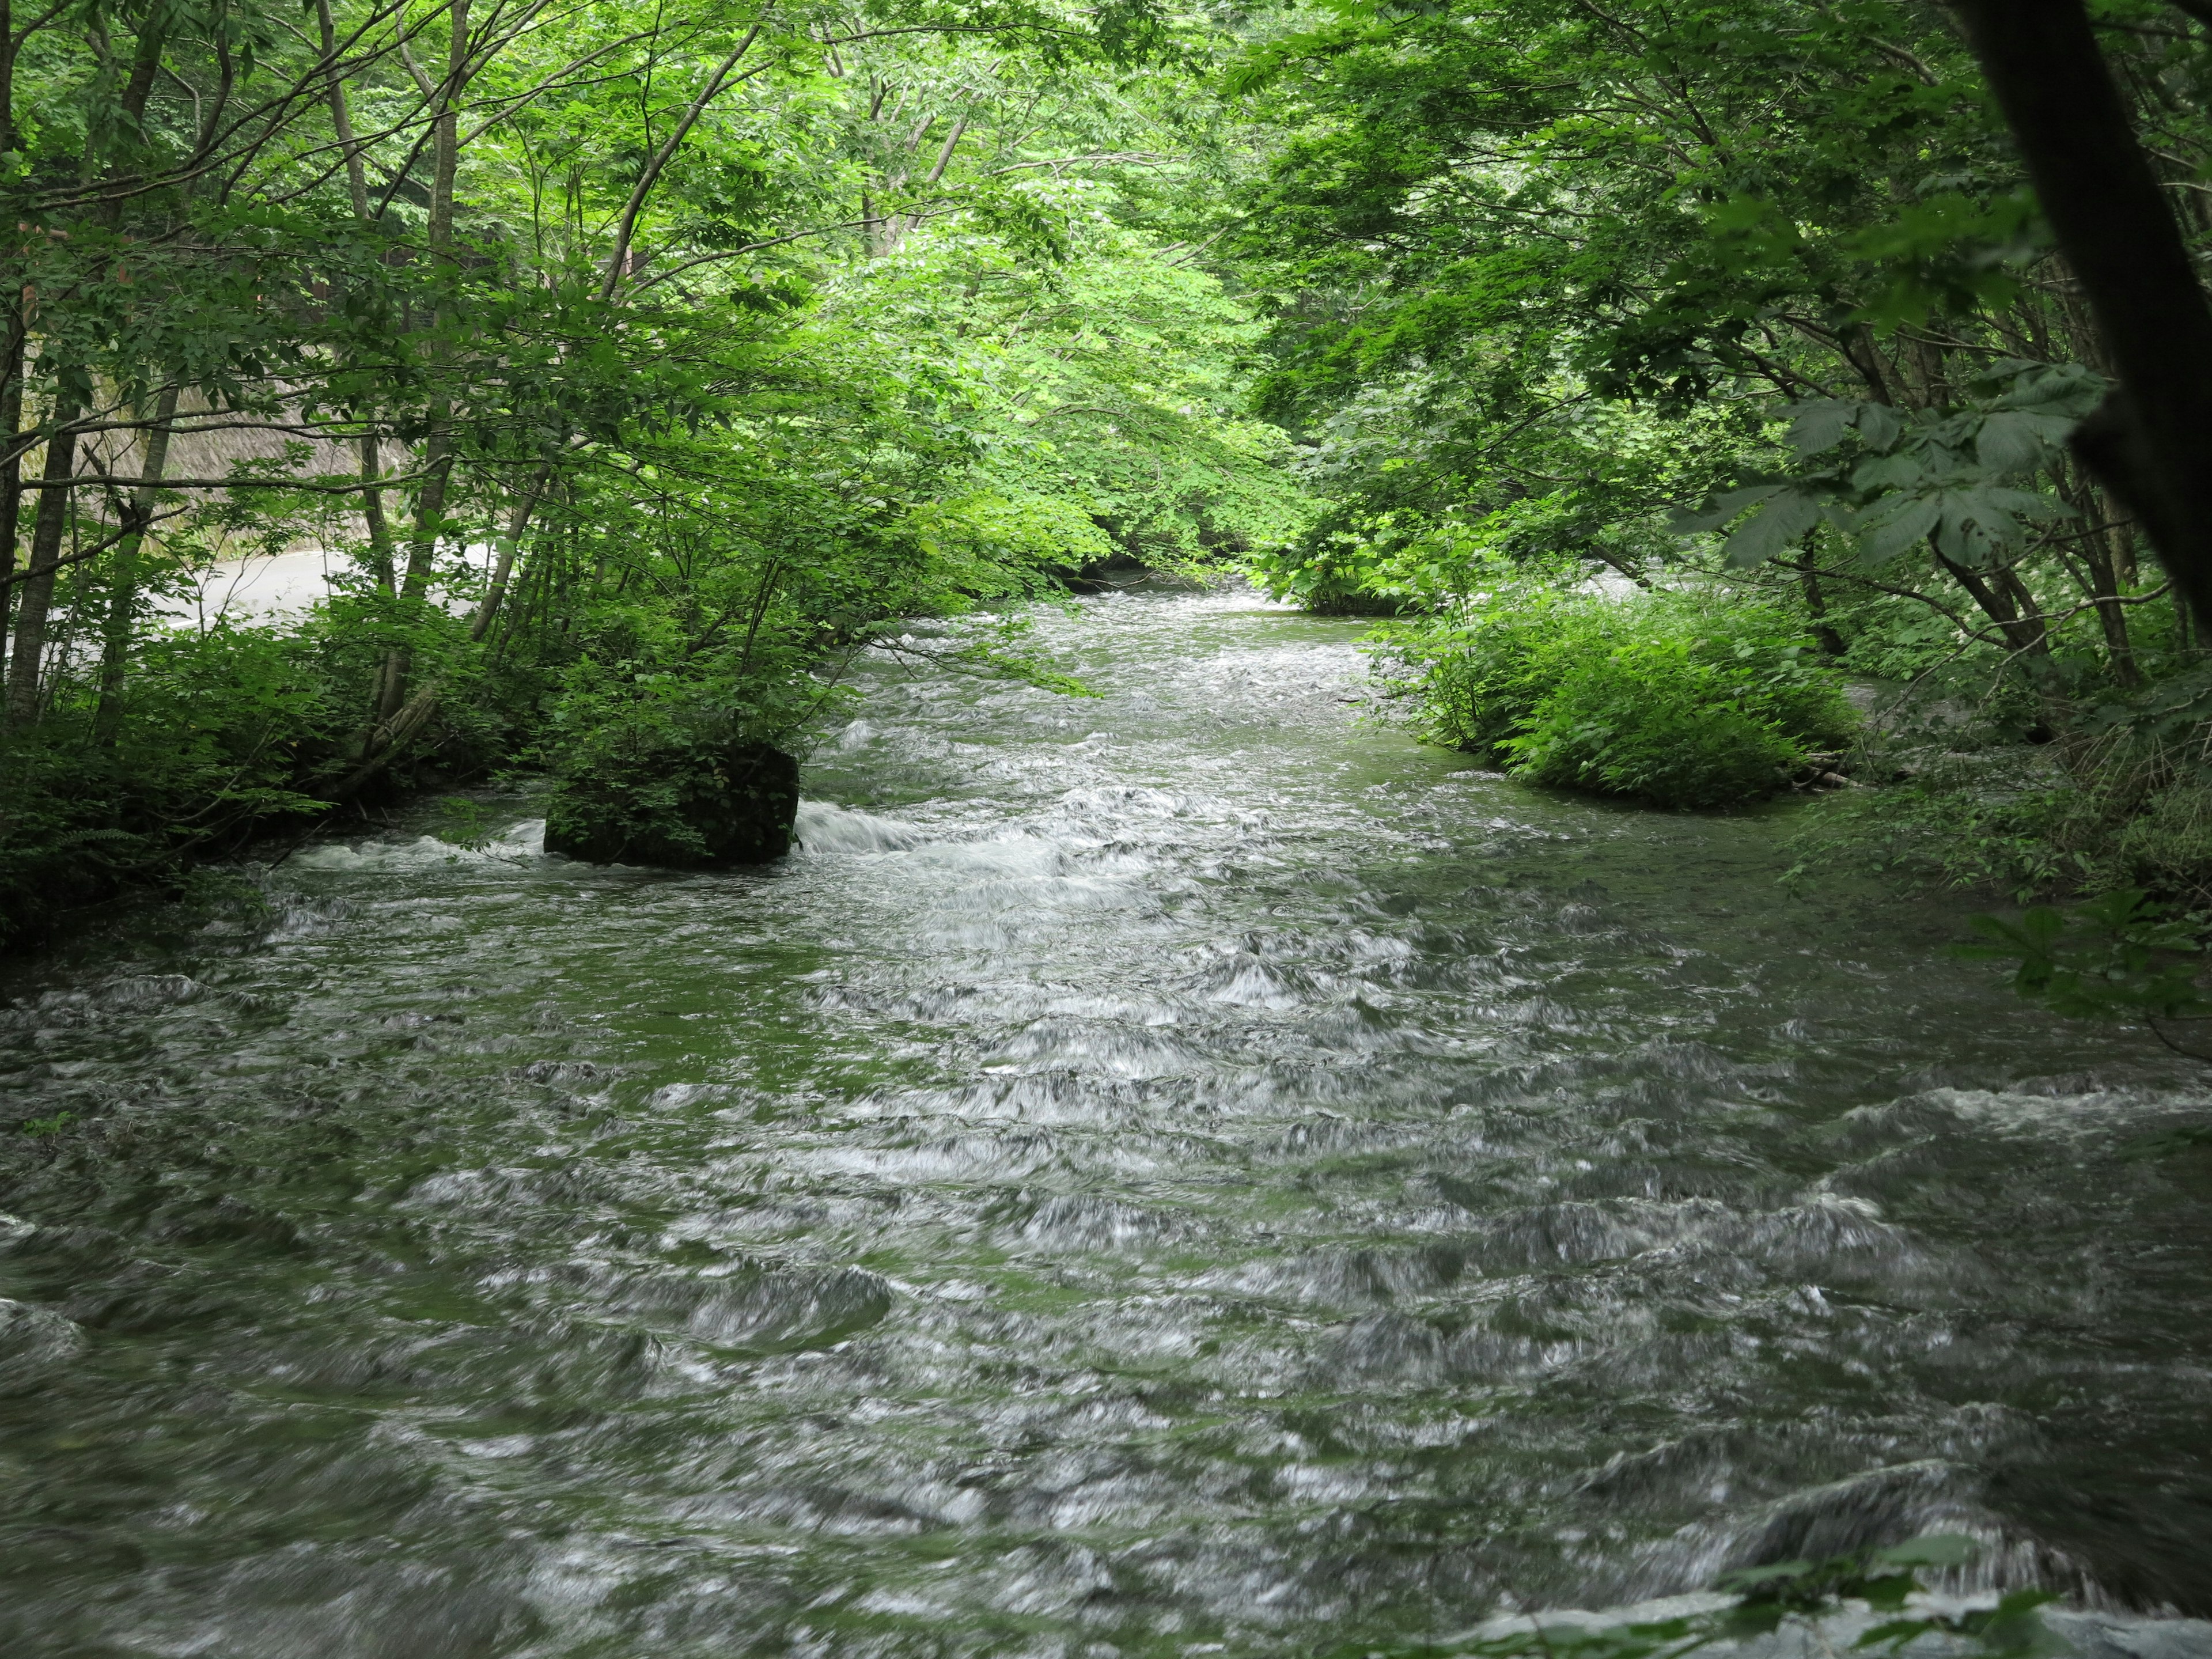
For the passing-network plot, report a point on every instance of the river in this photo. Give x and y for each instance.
(1189, 1171)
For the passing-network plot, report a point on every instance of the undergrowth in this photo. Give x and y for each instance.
(1682, 699)
(2120, 798)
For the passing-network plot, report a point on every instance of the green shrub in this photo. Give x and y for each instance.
(1683, 700)
(224, 726)
(2166, 845)
(1485, 677)
(653, 768)
(2120, 799)
(1647, 719)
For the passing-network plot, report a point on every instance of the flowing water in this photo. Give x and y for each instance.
(1188, 1171)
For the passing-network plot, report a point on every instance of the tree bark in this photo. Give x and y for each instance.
(52, 519)
(11, 472)
(7, 75)
(37, 598)
(421, 551)
(2150, 443)
(2111, 615)
(386, 740)
(438, 447)
(340, 116)
(503, 572)
(1816, 605)
(122, 578)
(2023, 630)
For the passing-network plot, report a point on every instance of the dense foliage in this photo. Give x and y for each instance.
(1754, 299)
(1673, 698)
(630, 370)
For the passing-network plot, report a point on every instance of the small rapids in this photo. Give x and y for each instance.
(1185, 1172)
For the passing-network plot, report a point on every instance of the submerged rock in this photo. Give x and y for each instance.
(34, 1342)
(738, 808)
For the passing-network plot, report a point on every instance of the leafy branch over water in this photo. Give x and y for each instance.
(2116, 957)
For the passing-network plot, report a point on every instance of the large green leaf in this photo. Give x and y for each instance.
(1690, 521)
(1776, 526)
(1887, 531)
(2017, 440)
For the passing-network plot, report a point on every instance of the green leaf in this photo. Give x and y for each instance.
(1888, 472)
(1879, 425)
(1776, 526)
(1746, 1578)
(2014, 440)
(1720, 509)
(1816, 426)
(1890, 529)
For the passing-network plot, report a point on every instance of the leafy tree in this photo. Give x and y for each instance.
(602, 348)
(1760, 296)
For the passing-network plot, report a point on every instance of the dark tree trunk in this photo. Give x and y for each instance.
(2151, 442)
(36, 589)
(1816, 605)
(11, 477)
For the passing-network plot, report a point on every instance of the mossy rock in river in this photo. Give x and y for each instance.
(688, 811)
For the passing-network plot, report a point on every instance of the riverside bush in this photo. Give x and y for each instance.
(1684, 699)
(1970, 805)
(662, 769)
(222, 729)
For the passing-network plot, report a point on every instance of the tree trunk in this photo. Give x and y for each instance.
(2111, 615)
(2023, 630)
(340, 116)
(438, 447)
(372, 513)
(421, 553)
(38, 581)
(1816, 603)
(518, 521)
(11, 476)
(2148, 443)
(123, 578)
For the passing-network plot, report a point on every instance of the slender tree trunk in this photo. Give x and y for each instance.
(341, 117)
(2123, 539)
(518, 521)
(2111, 615)
(391, 667)
(446, 133)
(11, 472)
(52, 519)
(438, 447)
(37, 585)
(372, 465)
(429, 504)
(372, 513)
(649, 175)
(390, 671)
(2008, 602)
(122, 578)
(2023, 631)
(1816, 605)
(7, 75)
